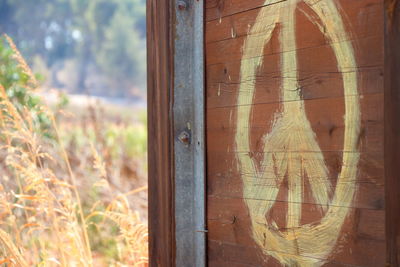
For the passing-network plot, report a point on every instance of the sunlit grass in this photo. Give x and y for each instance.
(67, 197)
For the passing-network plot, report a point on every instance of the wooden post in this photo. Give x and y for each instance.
(392, 130)
(160, 133)
(176, 133)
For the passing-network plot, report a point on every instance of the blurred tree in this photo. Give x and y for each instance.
(107, 36)
(122, 51)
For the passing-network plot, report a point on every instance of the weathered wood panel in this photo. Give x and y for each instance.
(160, 133)
(392, 130)
(295, 133)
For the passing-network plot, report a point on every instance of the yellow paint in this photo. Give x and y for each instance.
(290, 148)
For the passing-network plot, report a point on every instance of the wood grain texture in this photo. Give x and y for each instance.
(362, 240)
(160, 140)
(392, 130)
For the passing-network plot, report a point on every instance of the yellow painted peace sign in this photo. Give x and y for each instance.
(290, 148)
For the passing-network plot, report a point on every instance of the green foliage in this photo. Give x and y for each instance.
(126, 140)
(133, 138)
(119, 54)
(108, 35)
(17, 85)
(63, 101)
(101, 232)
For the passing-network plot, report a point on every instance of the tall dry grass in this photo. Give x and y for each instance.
(43, 221)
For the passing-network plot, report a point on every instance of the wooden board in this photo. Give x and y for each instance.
(247, 96)
(392, 130)
(160, 150)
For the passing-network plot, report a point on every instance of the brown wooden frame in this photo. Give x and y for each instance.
(160, 136)
(176, 133)
(392, 130)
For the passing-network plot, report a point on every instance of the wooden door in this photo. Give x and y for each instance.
(295, 133)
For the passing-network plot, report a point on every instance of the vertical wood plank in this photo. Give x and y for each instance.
(160, 137)
(392, 130)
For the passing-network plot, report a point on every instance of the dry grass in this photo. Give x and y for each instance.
(44, 221)
(22, 63)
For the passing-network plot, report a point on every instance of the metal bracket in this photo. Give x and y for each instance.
(189, 134)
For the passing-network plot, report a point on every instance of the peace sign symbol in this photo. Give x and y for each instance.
(290, 148)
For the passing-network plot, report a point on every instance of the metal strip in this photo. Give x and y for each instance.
(189, 134)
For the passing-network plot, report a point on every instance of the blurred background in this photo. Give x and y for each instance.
(83, 61)
(95, 47)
